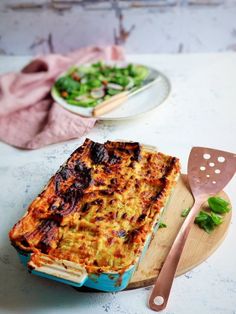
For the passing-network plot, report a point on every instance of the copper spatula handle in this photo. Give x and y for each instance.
(161, 290)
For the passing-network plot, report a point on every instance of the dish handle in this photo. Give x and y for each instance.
(51, 267)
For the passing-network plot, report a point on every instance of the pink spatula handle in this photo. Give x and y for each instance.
(161, 290)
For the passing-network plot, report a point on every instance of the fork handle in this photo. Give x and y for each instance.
(110, 104)
(161, 290)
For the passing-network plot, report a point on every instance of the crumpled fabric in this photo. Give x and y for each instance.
(29, 118)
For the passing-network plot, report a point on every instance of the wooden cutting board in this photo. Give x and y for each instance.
(199, 246)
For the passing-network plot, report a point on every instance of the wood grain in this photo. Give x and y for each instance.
(199, 246)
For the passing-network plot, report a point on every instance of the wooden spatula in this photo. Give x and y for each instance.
(209, 170)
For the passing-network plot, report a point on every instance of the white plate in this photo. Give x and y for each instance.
(135, 106)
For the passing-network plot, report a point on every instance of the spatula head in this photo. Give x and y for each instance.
(209, 170)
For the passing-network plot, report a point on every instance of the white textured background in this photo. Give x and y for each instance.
(157, 26)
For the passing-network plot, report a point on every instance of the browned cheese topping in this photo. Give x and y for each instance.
(99, 207)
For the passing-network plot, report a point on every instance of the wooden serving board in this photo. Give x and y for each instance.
(199, 246)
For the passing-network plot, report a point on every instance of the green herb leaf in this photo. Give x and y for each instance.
(211, 219)
(185, 212)
(162, 225)
(217, 219)
(112, 92)
(218, 205)
(208, 221)
(202, 216)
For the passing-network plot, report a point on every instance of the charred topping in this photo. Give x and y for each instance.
(57, 181)
(132, 149)
(106, 192)
(141, 217)
(49, 234)
(107, 170)
(99, 182)
(64, 173)
(131, 165)
(83, 175)
(155, 197)
(72, 194)
(113, 181)
(114, 159)
(46, 227)
(169, 168)
(136, 153)
(149, 158)
(69, 200)
(124, 216)
(112, 201)
(98, 153)
(158, 195)
(23, 242)
(131, 235)
(98, 201)
(132, 218)
(61, 175)
(82, 148)
(85, 207)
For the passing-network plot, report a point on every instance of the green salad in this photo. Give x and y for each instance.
(87, 86)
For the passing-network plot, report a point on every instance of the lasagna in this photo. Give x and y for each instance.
(100, 206)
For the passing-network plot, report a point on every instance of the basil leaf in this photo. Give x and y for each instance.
(185, 212)
(201, 217)
(208, 221)
(162, 225)
(217, 219)
(218, 205)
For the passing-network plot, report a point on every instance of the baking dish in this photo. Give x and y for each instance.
(72, 273)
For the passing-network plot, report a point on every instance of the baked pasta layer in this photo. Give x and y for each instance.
(98, 209)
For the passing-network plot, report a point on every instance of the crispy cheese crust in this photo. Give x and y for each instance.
(98, 209)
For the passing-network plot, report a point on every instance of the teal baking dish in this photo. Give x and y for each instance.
(107, 282)
(72, 273)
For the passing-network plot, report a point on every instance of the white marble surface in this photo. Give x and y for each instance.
(200, 111)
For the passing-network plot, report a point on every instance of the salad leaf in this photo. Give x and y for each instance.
(66, 83)
(83, 80)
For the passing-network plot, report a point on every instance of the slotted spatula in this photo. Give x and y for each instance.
(209, 171)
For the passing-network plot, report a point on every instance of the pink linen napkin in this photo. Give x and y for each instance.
(29, 118)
